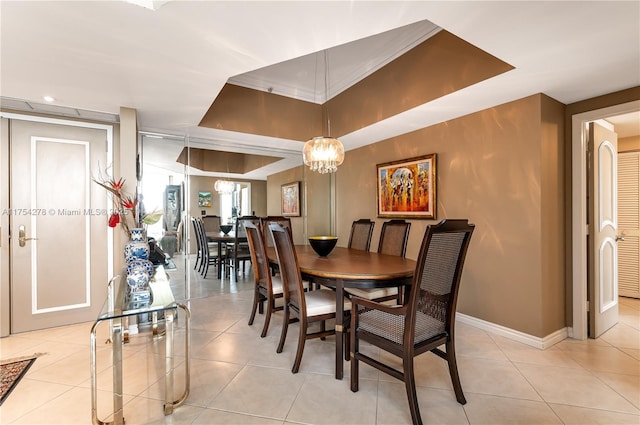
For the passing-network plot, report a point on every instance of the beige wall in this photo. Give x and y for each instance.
(502, 168)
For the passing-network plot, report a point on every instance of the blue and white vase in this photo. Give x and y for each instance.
(138, 247)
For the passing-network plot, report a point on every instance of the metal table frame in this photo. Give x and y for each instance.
(117, 310)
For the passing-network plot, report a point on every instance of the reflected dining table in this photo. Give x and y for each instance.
(350, 268)
(224, 238)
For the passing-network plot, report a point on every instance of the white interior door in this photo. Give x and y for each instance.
(629, 224)
(58, 225)
(603, 227)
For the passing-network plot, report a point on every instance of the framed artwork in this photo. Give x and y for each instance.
(291, 199)
(407, 188)
(204, 199)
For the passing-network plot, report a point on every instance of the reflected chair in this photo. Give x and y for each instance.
(393, 241)
(238, 251)
(360, 236)
(267, 288)
(211, 223)
(207, 252)
(426, 321)
(307, 307)
(266, 234)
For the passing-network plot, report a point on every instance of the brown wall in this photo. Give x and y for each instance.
(629, 144)
(502, 168)
(315, 218)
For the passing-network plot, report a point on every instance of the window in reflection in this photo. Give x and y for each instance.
(236, 204)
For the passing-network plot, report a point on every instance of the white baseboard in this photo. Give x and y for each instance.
(533, 341)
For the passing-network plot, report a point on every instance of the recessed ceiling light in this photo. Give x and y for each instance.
(48, 98)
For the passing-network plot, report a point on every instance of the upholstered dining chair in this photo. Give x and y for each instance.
(425, 321)
(308, 307)
(361, 232)
(393, 241)
(267, 288)
(211, 223)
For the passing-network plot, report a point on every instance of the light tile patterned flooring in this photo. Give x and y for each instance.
(237, 377)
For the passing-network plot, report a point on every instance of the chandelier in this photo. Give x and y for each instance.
(324, 153)
(224, 187)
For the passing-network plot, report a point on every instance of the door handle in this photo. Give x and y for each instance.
(22, 239)
(619, 238)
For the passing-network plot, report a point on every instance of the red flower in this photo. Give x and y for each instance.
(129, 203)
(114, 219)
(117, 184)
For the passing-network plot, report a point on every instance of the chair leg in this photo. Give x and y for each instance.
(453, 371)
(267, 316)
(256, 301)
(354, 362)
(285, 326)
(302, 338)
(410, 385)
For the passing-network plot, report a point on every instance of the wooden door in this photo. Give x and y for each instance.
(58, 224)
(603, 227)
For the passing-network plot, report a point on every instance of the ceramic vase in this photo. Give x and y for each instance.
(137, 248)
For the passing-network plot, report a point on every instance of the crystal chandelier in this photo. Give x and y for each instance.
(324, 153)
(224, 187)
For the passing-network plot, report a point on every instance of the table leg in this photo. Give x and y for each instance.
(219, 259)
(339, 332)
(168, 378)
(116, 337)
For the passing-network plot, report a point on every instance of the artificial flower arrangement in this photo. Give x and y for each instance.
(125, 206)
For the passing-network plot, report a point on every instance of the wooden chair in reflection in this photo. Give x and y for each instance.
(267, 287)
(238, 251)
(426, 321)
(308, 307)
(393, 241)
(207, 253)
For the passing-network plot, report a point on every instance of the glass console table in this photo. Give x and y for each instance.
(117, 310)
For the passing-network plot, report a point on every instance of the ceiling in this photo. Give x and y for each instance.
(170, 64)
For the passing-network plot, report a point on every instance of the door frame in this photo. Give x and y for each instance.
(5, 272)
(579, 228)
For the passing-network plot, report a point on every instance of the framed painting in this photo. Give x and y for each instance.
(407, 188)
(291, 199)
(204, 199)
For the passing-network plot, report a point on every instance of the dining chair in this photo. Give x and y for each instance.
(393, 241)
(267, 287)
(211, 223)
(308, 307)
(361, 232)
(208, 252)
(426, 321)
(238, 250)
(266, 234)
(199, 250)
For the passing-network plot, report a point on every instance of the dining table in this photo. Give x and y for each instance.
(350, 268)
(224, 238)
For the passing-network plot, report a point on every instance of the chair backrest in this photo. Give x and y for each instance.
(361, 231)
(434, 291)
(289, 269)
(394, 237)
(259, 258)
(266, 221)
(211, 223)
(197, 230)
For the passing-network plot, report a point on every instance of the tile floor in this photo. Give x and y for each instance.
(237, 377)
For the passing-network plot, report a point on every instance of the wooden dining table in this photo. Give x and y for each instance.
(350, 268)
(224, 238)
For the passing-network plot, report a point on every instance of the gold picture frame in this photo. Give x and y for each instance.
(407, 188)
(290, 205)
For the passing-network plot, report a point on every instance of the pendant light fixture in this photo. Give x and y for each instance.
(224, 187)
(324, 153)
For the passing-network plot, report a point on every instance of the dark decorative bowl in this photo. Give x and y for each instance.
(226, 228)
(323, 245)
